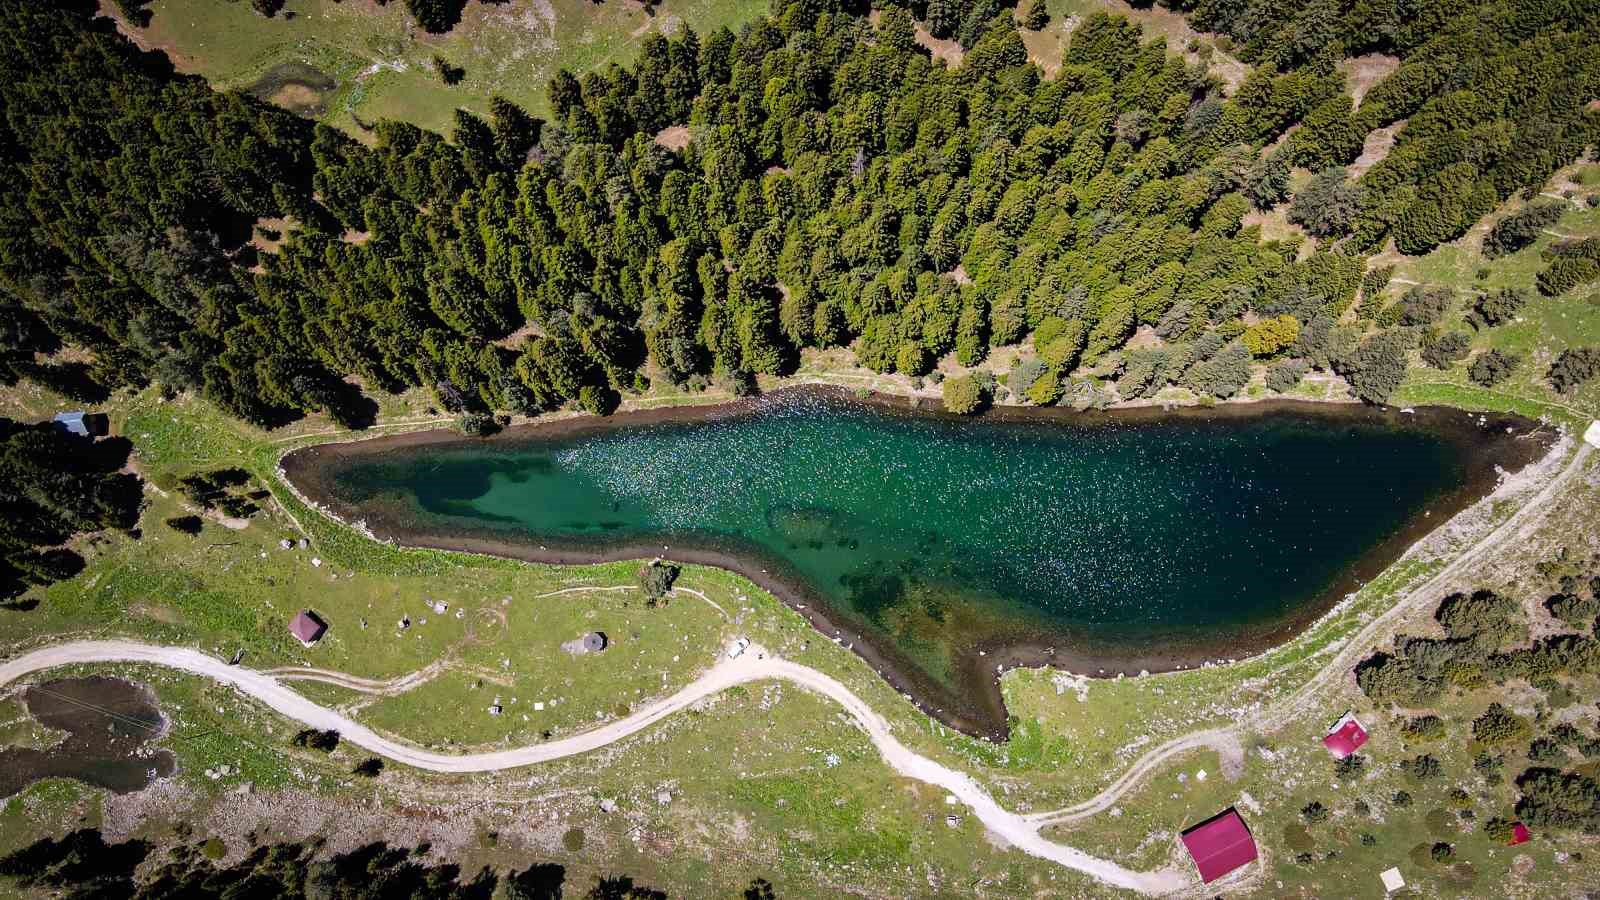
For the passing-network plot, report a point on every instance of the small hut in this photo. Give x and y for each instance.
(1346, 736)
(308, 627)
(1220, 844)
(1519, 834)
(1392, 880)
(74, 422)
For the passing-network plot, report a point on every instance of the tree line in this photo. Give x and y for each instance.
(81, 864)
(841, 189)
(55, 486)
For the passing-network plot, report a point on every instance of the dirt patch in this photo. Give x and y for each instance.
(947, 50)
(260, 234)
(1275, 226)
(515, 339)
(1373, 150)
(352, 236)
(673, 137)
(1362, 72)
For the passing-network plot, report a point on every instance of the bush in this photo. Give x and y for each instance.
(1492, 367)
(1442, 852)
(656, 578)
(1425, 304)
(1036, 15)
(1574, 367)
(190, 525)
(1024, 374)
(1497, 308)
(1575, 610)
(1046, 389)
(326, 741)
(1447, 350)
(1559, 800)
(1283, 375)
(1350, 768)
(1498, 829)
(1521, 228)
(598, 399)
(1498, 724)
(1271, 336)
(1314, 812)
(448, 73)
(1401, 798)
(1377, 367)
(912, 359)
(963, 395)
(476, 424)
(371, 767)
(1421, 768)
(1423, 728)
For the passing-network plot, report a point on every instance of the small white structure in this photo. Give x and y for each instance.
(1391, 880)
(1592, 436)
(737, 648)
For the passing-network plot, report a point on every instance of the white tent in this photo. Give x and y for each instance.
(1391, 880)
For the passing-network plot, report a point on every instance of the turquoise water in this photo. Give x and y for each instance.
(932, 535)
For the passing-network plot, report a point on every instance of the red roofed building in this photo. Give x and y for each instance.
(307, 627)
(1346, 737)
(1220, 844)
(1519, 834)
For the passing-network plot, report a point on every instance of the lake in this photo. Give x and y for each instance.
(943, 546)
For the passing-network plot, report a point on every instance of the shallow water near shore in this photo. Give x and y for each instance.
(1120, 541)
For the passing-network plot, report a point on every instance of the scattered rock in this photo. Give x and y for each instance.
(316, 562)
(953, 821)
(608, 805)
(286, 544)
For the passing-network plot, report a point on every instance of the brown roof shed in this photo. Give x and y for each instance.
(307, 626)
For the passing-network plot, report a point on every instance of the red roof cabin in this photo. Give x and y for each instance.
(1519, 834)
(1220, 844)
(1346, 737)
(307, 627)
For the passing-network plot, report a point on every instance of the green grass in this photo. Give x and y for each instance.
(382, 62)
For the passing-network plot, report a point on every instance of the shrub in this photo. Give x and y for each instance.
(1401, 798)
(1024, 374)
(1484, 614)
(1421, 768)
(190, 525)
(1498, 724)
(1423, 728)
(476, 424)
(1036, 15)
(1442, 852)
(1545, 750)
(1498, 829)
(371, 767)
(1284, 374)
(1574, 610)
(600, 400)
(1521, 228)
(1574, 367)
(1497, 308)
(448, 73)
(1314, 812)
(1350, 768)
(1425, 304)
(1046, 389)
(963, 395)
(1271, 336)
(912, 359)
(1559, 800)
(1447, 350)
(326, 741)
(656, 578)
(1377, 367)
(1492, 367)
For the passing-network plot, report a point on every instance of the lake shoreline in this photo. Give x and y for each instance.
(975, 706)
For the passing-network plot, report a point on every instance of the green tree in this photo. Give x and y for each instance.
(963, 395)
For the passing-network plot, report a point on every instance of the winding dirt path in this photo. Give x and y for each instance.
(1295, 705)
(753, 665)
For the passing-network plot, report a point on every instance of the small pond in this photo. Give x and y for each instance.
(109, 724)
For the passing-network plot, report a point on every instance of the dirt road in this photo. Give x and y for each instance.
(753, 665)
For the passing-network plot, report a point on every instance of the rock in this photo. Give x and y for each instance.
(608, 805)
(316, 562)
(286, 544)
(663, 797)
(538, 707)
(953, 821)
(304, 544)
(440, 606)
(1200, 775)
(405, 622)
(495, 709)
(831, 760)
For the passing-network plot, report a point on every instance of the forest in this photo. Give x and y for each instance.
(842, 188)
(54, 486)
